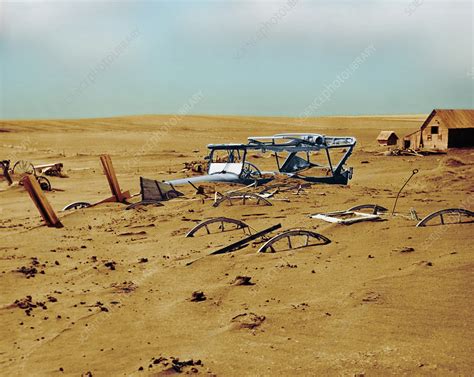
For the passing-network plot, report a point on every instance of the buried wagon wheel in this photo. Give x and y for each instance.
(23, 167)
(375, 208)
(219, 220)
(44, 183)
(244, 198)
(306, 234)
(76, 205)
(448, 216)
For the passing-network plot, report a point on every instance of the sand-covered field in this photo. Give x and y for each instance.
(111, 292)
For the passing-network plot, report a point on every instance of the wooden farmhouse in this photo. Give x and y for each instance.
(443, 129)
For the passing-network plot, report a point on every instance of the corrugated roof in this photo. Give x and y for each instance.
(384, 135)
(453, 118)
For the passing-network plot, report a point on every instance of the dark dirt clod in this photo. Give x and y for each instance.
(198, 296)
(242, 280)
(174, 364)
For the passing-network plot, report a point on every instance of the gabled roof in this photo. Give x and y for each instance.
(385, 135)
(452, 118)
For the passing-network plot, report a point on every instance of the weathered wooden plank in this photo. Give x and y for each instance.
(109, 172)
(40, 201)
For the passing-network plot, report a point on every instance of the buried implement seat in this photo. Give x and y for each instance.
(153, 192)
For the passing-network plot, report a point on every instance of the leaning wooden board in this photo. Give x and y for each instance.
(38, 197)
(109, 172)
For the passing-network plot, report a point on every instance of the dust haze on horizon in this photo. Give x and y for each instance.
(292, 58)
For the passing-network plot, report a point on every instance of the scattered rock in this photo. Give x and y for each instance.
(110, 265)
(171, 365)
(424, 263)
(371, 297)
(405, 249)
(198, 296)
(125, 287)
(28, 305)
(33, 269)
(242, 280)
(248, 320)
(101, 306)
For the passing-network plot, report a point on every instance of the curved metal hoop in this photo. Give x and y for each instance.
(221, 220)
(76, 205)
(292, 233)
(376, 209)
(449, 211)
(44, 183)
(244, 197)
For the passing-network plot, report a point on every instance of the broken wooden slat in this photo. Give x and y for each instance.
(38, 197)
(245, 241)
(338, 217)
(109, 172)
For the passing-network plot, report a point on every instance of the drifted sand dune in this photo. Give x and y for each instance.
(111, 292)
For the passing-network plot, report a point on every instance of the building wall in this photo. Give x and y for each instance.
(412, 141)
(435, 134)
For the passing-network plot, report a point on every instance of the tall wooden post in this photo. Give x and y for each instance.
(38, 197)
(109, 172)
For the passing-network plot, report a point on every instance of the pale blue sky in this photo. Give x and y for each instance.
(77, 59)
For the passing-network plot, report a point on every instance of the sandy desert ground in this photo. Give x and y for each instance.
(111, 293)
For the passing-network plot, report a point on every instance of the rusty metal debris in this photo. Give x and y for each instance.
(448, 216)
(414, 171)
(219, 220)
(269, 245)
(245, 198)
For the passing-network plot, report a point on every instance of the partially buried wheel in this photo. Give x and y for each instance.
(76, 205)
(23, 167)
(44, 183)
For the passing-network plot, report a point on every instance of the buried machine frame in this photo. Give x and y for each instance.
(235, 168)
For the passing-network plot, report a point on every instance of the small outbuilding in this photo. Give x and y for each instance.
(387, 138)
(443, 129)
